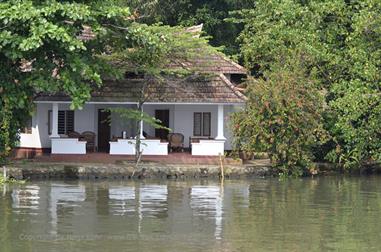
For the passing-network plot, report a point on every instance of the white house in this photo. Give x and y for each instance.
(197, 107)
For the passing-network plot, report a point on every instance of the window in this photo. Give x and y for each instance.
(65, 121)
(27, 129)
(201, 123)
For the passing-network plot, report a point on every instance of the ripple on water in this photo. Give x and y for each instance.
(122, 199)
(297, 215)
(27, 198)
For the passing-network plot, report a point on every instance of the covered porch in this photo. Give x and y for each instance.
(202, 127)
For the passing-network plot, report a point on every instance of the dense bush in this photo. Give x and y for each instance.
(282, 117)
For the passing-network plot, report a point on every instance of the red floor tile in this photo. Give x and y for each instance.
(97, 157)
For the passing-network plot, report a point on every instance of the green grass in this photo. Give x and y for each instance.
(10, 181)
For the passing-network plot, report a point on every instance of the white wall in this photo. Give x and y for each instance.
(184, 119)
(39, 137)
(84, 119)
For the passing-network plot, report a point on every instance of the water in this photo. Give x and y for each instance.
(321, 214)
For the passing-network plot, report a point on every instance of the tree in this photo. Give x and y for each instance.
(51, 46)
(339, 44)
(356, 92)
(282, 117)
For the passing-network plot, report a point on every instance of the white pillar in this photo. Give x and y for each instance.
(55, 121)
(220, 123)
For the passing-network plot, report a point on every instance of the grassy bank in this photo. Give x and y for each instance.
(5, 180)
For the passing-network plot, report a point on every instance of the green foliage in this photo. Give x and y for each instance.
(211, 13)
(338, 47)
(282, 117)
(4, 180)
(41, 49)
(357, 102)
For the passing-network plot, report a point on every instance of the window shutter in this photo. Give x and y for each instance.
(69, 121)
(206, 124)
(49, 122)
(61, 122)
(197, 124)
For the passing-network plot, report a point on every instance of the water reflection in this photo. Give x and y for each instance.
(153, 201)
(64, 198)
(26, 197)
(208, 201)
(295, 215)
(122, 199)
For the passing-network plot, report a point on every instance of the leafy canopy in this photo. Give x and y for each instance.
(282, 117)
(337, 44)
(211, 13)
(43, 48)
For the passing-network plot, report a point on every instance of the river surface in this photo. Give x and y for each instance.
(321, 214)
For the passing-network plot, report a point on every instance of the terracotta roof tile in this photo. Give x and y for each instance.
(211, 64)
(200, 89)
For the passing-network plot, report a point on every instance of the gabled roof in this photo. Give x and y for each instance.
(194, 89)
(208, 86)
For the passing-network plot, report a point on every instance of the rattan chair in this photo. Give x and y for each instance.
(89, 137)
(176, 142)
(74, 134)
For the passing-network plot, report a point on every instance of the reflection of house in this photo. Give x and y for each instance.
(27, 197)
(122, 199)
(64, 197)
(153, 201)
(198, 107)
(180, 209)
(208, 200)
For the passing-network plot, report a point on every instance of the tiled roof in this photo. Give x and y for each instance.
(195, 89)
(211, 64)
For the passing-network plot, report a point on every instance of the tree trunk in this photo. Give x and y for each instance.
(138, 152)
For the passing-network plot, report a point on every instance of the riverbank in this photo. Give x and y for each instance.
(27, 170)
(126, 170)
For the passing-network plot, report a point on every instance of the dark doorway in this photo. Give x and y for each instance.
(103, 130)
(163, 116)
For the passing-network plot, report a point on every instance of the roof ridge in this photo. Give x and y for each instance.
(232, 87)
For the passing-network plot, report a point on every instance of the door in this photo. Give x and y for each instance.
(163, 116)
(104, 130)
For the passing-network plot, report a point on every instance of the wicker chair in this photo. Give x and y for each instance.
(74, 134)
(176, 142)
(89, 137)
